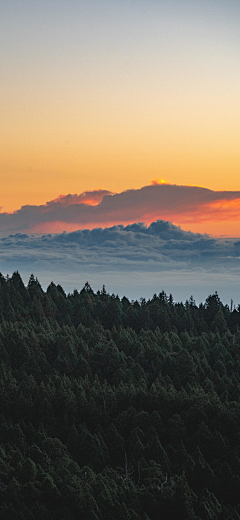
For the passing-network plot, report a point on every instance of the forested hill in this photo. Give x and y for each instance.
(117, 410)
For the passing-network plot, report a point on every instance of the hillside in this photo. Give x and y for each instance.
(114, 410)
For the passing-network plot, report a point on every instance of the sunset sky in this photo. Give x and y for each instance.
(111, 94)
(104, 100)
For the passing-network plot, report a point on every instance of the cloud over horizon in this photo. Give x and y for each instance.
(134, 259)
(190, 206)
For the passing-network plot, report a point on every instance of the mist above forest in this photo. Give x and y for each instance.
(132, 260)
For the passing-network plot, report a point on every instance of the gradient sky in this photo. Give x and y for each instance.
(111, 94)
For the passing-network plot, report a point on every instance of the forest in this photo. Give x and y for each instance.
(117, 410)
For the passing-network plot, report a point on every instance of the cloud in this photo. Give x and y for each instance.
(184, 205)
(131, 259)
(137, 245)
(91, 198)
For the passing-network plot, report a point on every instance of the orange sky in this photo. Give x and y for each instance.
(111, 95)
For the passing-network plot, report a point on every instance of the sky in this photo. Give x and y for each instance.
(114, 112)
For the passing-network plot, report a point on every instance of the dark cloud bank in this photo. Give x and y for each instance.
(103, 208)
(136, 260)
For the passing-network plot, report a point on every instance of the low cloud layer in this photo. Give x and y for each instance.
(134, 258)
(184, 205)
